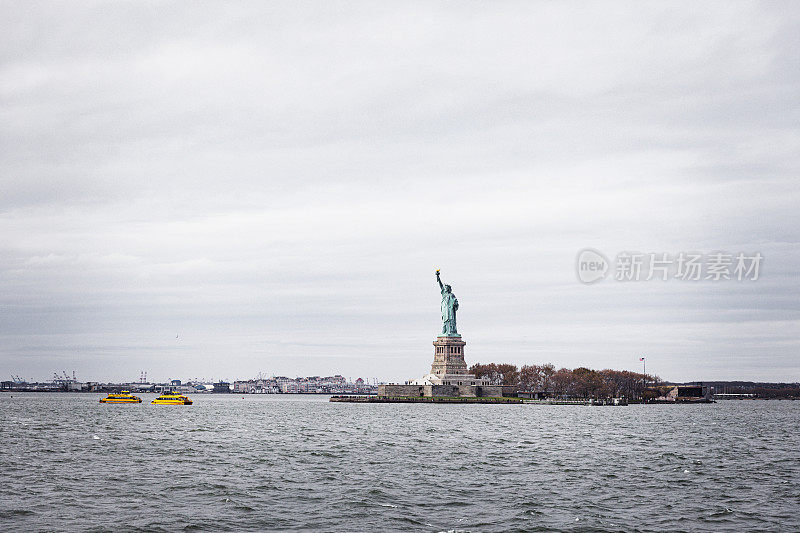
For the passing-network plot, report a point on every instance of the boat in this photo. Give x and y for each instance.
(172, 398)
(122, 397)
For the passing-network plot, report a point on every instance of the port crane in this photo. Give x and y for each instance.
(64, 378)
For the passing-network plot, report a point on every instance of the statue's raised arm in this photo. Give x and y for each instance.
(441, 287)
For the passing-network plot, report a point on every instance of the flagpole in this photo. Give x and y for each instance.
(644, 379)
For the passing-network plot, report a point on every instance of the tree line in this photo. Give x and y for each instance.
(579, 382)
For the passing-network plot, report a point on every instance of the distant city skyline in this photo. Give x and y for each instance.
(242, 188)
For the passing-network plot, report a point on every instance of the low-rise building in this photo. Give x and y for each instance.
(222, 387)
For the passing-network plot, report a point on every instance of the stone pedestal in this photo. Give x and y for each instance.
(449, 376)
(448, 357)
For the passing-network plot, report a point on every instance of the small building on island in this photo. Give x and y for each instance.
(693, 393)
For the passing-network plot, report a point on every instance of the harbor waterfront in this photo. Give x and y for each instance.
(299, 463)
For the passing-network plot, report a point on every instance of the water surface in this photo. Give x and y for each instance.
(299, 463)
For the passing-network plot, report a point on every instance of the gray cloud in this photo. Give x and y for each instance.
(277, 183)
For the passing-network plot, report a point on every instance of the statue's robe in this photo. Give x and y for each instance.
(449, 307)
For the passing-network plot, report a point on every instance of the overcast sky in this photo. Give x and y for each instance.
(276, 183)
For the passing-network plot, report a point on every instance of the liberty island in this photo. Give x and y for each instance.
(449, 376)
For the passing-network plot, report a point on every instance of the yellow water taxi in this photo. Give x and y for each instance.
(172, 398)
(123, 397)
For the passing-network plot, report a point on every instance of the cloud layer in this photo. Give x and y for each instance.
(276, 183)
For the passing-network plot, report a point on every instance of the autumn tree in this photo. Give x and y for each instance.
(497, 374)
(562, 381)
(581, 382)
(508, 374)
(536, 377)
(484, 371)
(529, 377)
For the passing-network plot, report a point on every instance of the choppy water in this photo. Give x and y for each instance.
(300, 463)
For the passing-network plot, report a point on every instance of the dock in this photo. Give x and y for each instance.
(424, 399)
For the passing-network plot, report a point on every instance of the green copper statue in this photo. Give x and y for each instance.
(449, 308)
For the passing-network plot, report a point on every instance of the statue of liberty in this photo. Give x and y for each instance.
(449, 308)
